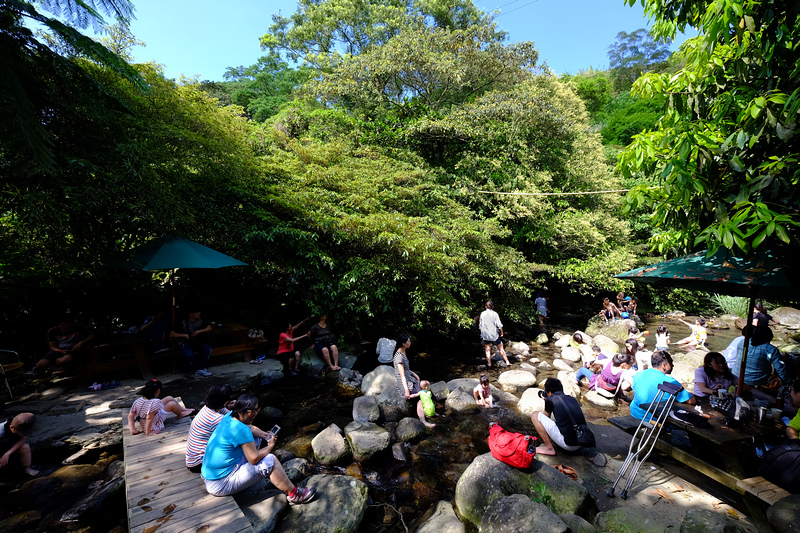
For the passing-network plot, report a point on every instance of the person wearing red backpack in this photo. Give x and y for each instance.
(562, 430)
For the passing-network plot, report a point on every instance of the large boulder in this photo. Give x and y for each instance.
(608, 346)
(631, 519)
(541, 338)
(297, 469)
(440, 390)
(528, 367)
(571, 354)
(366, 439)
(366, 409)
(530, 402)
(787, 316)
(515, 380)
(784, 515)
(616, 330)
(562, 341)
(514, 513)
(560, 364)
(409, 429)
(440, 518)
(329, 446)
(596, 399)
(518, 348)
(569, 381)
(461, 400)
(381, 384)
(462, 383)
(487, 479)
(338, 506)
(707, 521)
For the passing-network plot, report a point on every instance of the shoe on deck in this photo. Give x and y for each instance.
(302, 495)
(203, 373)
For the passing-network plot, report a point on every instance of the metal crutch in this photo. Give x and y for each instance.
(651, 429)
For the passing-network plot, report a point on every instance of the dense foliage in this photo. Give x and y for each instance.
(726, 154)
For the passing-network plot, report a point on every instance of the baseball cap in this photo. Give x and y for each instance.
(23, 423)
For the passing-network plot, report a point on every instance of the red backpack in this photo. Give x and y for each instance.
(514, 449)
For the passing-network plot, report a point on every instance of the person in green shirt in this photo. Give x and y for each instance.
(793, 429)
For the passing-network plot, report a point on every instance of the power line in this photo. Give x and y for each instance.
(555, 193)
(516, 8)
(508, 4)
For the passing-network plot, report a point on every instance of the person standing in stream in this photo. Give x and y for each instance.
(491, 333)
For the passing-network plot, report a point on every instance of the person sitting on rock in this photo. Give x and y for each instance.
(218, 402)
(588, 372)
(14, 435)
(646, 382)
(233, 461)
(609, 311)
(614, 380)
(697, 337)
(150, 411)
(562, 430)
(483, 392)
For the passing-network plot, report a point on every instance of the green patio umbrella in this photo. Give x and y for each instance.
(760, 276)
(171, 253)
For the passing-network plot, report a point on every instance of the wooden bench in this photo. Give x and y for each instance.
(163, 496)
(762, 489)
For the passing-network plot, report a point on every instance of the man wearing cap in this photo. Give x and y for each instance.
(13, 440)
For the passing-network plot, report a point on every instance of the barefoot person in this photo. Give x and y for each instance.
(483, 393)
(286, 352)
(697, 337)
(560, 431)
(407, 381)
(150, 411)
(320, 333)
(14, 435)
(491, 333)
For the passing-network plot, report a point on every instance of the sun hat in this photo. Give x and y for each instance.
(23, 424)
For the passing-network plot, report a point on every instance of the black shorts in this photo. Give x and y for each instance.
(497, 342)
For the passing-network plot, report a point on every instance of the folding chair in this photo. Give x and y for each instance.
(8, 364)
(651, 425)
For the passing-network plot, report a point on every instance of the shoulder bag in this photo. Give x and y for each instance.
(583, 435)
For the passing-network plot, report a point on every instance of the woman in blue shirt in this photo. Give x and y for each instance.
(233, 462)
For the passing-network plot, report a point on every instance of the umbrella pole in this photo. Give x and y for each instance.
(748, 333)
(172, 284)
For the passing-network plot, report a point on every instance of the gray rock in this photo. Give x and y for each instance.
(518, 348)
(577, 524)
(503, 397)
(599, 401)
(631, 519)
(115, 470)
(562, 341)
(441, 518)
(675, 314)
(784, 515)
(706, 521)
(515, 380)
(347, 360)
(463, 383)
(461, 400)
(561, 364)
(571, 354)
(381, 384)
(608, 346)
(541, 339)
(617, 331)
(530, 402)
(787, 316)
(533, 361)
(409, 429)
(366, 439)
(263, 509)
(515, 513)
(366, 409)
(716, 323)
(544, 366)
(488, 479)
(569, 381)
(348, 377)
(297, 469)
(399, 452)
(338, 506)
(440, 390)
(329, 445)
(94, 502)
(270, 376)
(528, 367)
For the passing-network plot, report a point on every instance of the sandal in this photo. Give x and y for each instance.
(567, 471)
(113, 384)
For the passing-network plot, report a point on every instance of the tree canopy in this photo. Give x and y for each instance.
(725, 157)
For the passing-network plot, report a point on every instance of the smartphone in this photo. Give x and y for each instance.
(275, 429)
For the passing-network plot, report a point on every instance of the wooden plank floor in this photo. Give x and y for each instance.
(163, 496)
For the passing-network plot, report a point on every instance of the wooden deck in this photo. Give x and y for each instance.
(163, 496)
